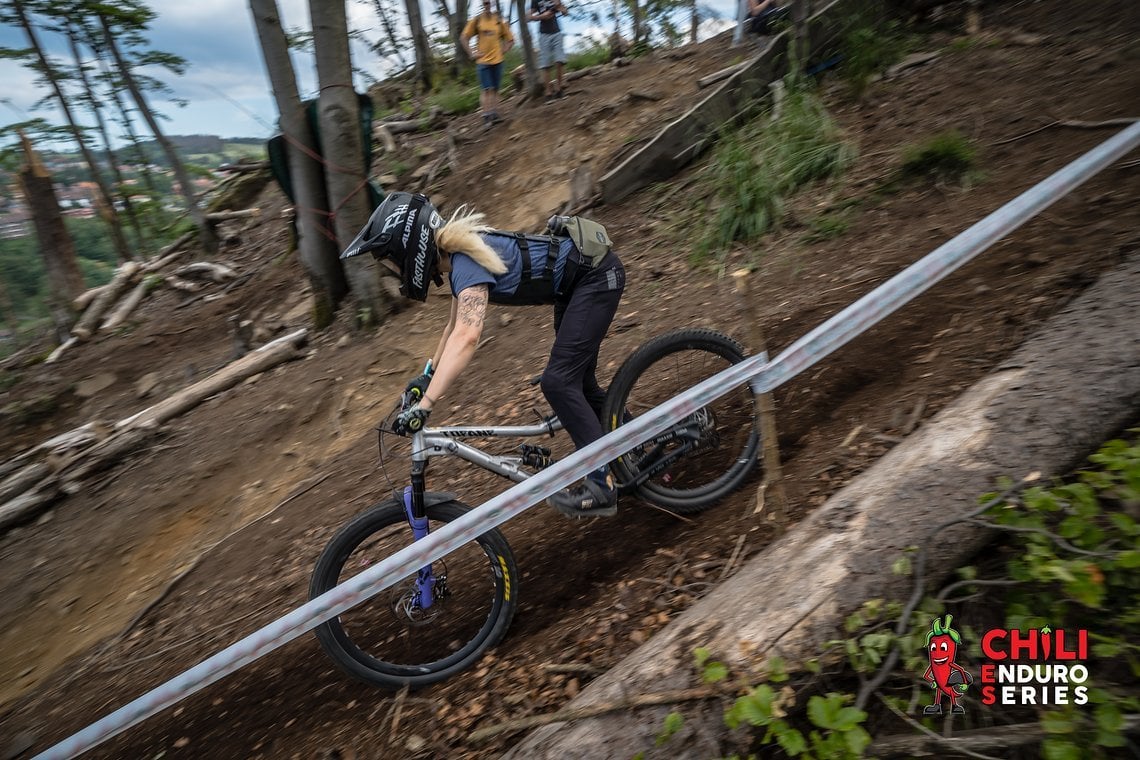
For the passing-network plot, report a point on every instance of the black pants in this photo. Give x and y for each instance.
(570, 381)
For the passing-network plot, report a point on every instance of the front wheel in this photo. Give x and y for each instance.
(391, 640)
(703, 458)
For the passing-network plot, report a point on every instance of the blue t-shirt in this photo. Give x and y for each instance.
(465, 273)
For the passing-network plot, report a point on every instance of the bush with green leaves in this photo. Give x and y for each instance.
(1077, 565)
(1072, 561)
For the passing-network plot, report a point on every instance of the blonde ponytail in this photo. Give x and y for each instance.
(461, 235)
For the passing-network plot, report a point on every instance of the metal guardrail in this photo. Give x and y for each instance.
(761, 374)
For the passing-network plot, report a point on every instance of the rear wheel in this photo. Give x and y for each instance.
(390, 640)
(713, 450)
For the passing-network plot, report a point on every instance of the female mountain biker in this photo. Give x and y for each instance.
(408, 235)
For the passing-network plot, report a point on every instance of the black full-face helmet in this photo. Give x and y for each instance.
(402, 230)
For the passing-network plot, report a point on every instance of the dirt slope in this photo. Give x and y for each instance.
(72, 582)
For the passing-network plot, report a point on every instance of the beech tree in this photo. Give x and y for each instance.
(317, 243)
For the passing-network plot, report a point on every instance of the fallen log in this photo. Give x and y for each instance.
(178, 283)
(25, 506)
(130, 303)
(170, 253)
(721, 75)
(60, 349)
(266, 357)
(207, 269)
(225, 216)
(244, 168)
(83, 300)
(22, 480)
(89, 323)
(384, 135)
(99, 457)
(1043, 410)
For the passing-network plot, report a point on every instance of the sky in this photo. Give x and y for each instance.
(226, 87)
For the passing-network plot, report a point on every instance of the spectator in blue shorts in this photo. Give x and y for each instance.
(493, 41)
(550, 52)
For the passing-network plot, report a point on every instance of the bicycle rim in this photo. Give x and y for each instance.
(727, 440)
(389, 642)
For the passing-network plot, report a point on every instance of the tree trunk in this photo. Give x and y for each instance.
(1043, 410)
(317, 245)
(534, 85)
(118, 240)
(341, 145)
(101, 124)
(419, 42)
(694, 21)
(206, 233)
(65, 281)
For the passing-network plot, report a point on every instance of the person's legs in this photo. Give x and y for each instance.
(496, 77)
(594, 393)
(584, 324)
(559, 56)
(569, 381)
(545, 58)
(483, 71)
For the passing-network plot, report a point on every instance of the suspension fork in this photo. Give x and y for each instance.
(416, 513)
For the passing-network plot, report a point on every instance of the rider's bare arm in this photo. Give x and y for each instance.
(458, 346)
(446, 333)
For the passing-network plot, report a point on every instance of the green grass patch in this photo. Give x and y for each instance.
(946, 156)
(594, 55)
(455, 99)
(827, 227)
(756, 168)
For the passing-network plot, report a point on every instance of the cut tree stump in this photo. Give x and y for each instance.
(1045, 409)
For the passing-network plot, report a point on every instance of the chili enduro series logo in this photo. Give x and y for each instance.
(1035, 667)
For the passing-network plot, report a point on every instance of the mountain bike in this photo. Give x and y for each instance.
(439, 621)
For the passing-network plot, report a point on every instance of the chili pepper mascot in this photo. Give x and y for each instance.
(944, 675)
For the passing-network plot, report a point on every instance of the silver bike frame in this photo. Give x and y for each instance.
(445, 441)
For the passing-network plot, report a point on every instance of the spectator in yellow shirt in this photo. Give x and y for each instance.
(493, 41)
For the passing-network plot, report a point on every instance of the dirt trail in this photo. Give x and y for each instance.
(591, 592)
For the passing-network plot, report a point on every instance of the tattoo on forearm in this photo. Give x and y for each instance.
(472, 307)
